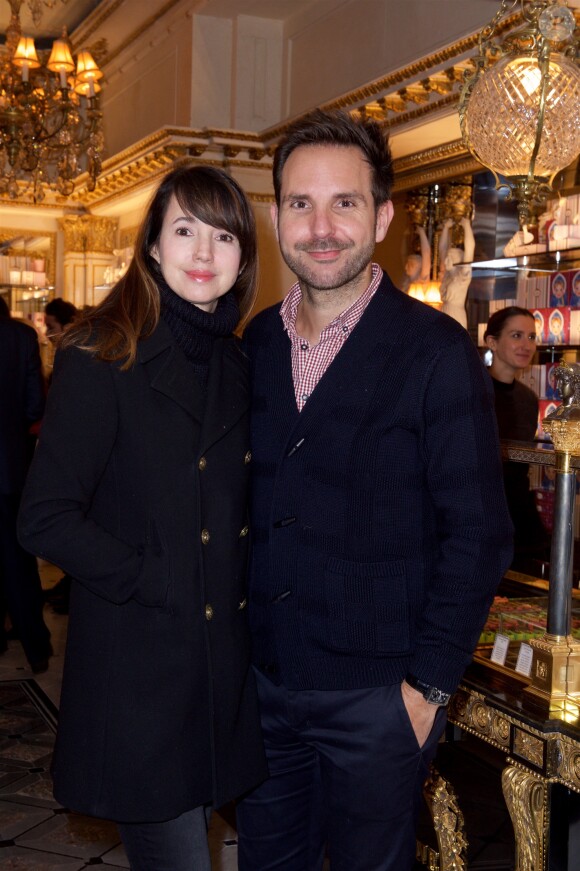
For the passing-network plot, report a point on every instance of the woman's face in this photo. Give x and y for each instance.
(199, 262)
(516, 344)
(559, 287)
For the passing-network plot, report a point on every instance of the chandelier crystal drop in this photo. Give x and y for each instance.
(50, 120)
(520, 114)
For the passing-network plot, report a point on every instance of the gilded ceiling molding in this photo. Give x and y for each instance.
(440, 172)
(446, 151)
(444, 162)
(91, 24)
(398, 121)
(413, 73)
(144, 162)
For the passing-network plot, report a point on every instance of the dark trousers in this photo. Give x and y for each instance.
(346, 773)
(174, 845)
(20, 588)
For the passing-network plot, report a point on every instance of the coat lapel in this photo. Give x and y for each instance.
(228, 395)
(168, 371)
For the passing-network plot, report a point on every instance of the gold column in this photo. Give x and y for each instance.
(89, 242)
(556, 664)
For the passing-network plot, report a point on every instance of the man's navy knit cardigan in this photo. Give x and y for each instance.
(379, 524)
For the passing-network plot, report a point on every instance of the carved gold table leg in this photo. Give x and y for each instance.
(447, 821)
(526, 797)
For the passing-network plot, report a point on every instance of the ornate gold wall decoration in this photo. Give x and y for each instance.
(564, 756)
(417, 207)
(500, 730)
(526, 799)
(481, 717)
(89, 233)
(427, 856)
(528, 747)
(448, 822)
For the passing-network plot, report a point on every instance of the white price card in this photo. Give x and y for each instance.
(500, 648)
(525, 657)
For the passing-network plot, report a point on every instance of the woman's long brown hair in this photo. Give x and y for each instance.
(130, 311)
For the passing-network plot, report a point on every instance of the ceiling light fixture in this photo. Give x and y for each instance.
(50, 121)
(520, 110)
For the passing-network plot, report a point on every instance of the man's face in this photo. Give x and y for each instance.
(53, 327)
(327, 224)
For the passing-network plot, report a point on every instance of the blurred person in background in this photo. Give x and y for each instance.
(21, 405)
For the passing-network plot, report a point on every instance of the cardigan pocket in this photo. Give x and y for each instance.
(365, 608)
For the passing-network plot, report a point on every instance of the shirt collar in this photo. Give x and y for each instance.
(345, 321)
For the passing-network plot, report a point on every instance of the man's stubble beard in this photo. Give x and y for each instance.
(347, 274)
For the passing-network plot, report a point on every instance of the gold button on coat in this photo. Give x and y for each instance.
(202, 464)
(242, 604)
(248, 457)
(204, 536)
(244, 531)
(208, 612)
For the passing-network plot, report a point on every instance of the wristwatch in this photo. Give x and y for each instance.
(429, 693)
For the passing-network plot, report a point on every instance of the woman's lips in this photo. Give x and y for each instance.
(201, 276)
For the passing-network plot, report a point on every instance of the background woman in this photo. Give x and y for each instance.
(511, 337)
(138, 491)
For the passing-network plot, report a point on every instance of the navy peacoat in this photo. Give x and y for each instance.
(140, 495)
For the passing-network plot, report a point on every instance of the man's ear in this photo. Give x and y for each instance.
(384, 218)
(274, 219)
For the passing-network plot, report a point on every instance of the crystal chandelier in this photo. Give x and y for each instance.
(50, 121)
(520, 110)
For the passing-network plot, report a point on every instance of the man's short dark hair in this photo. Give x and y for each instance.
(65, 312)
(339, 128)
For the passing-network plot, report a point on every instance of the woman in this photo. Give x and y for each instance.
(511, 337)
(138, 491)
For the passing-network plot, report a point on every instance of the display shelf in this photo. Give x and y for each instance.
(537, 453)
(540, 261)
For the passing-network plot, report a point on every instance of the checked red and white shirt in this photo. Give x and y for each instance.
(310, 362)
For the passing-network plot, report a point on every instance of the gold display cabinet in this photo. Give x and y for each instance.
(532, 716)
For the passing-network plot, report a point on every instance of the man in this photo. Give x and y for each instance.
(58, 314)
(380, 529)
(21, 404)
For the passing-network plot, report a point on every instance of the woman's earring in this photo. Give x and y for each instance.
(488, 358)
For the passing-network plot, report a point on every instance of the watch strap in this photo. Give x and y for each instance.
(431, 694)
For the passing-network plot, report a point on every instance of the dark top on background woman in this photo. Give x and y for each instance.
(138, 490)
(511, 336)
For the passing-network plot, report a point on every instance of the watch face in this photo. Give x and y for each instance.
(437, 697)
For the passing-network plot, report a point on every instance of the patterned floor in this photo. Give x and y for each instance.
(36, 833)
